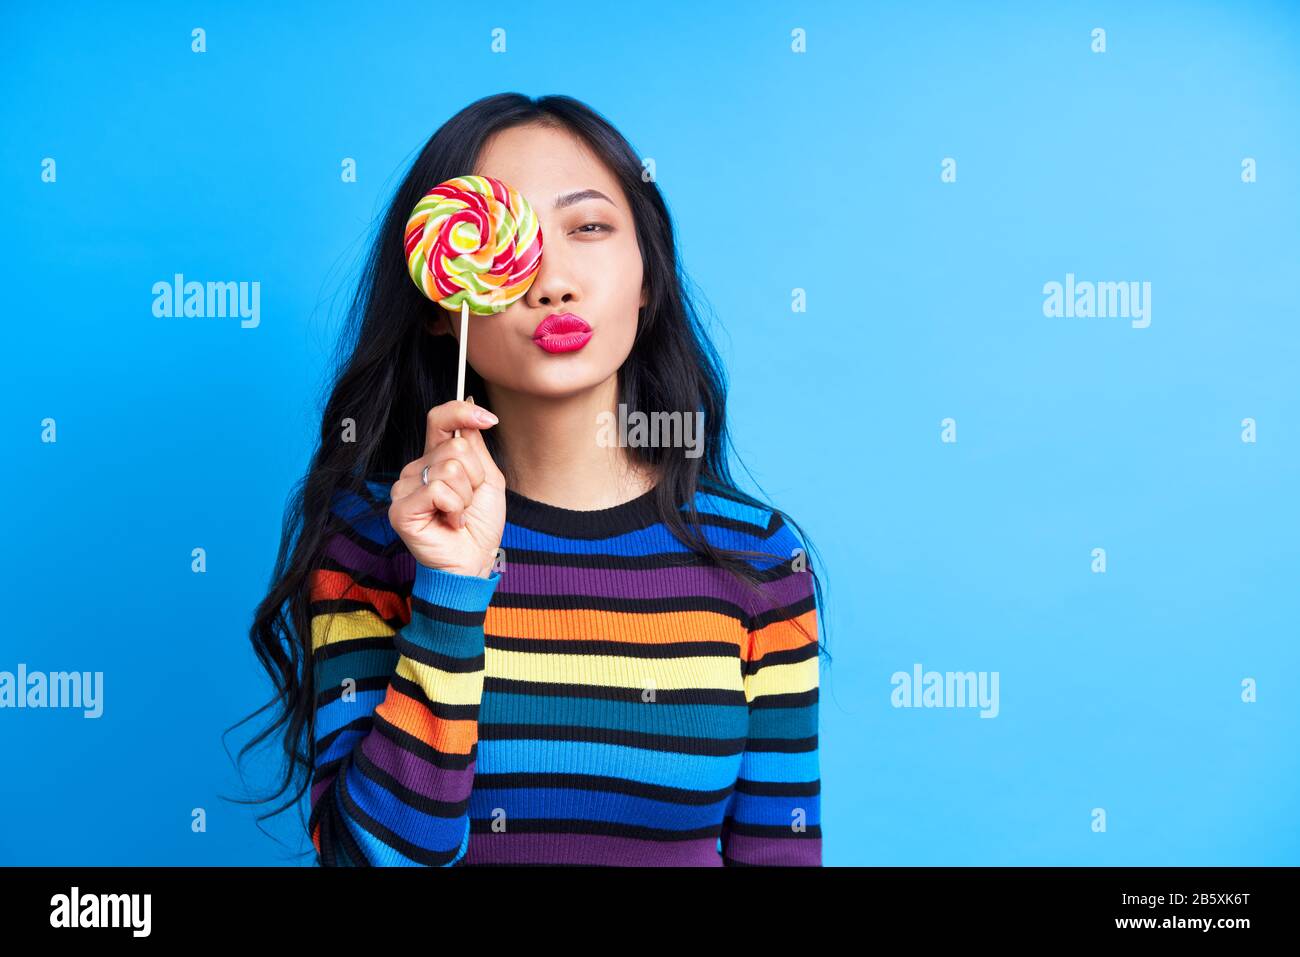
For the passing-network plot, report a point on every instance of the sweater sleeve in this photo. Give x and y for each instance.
(774, 814)
(398, 683)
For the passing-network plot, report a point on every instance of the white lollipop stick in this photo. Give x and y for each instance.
(460, 367)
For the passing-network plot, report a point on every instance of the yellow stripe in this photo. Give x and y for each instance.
(444, 687)
(332, 628)
(616, 671)
(782, 679)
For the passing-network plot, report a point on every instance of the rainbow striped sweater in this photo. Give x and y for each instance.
(606, 697)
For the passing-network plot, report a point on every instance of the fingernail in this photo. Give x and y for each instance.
(462, 519)
(486, 417)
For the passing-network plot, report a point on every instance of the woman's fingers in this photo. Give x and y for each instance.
(452, 474)
(443, 420)
(448, 478)
(439, 497)
(457, 465)
(489, 467)
(460, 451)
(445, 499)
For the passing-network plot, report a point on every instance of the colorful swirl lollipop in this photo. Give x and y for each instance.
(473, 244)
(473, 240)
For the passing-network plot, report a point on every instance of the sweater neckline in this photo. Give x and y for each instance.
(628, 516)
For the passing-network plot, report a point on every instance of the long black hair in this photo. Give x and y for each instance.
(389, 371)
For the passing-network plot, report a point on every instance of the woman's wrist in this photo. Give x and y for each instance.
(482, 571)
(452, 587)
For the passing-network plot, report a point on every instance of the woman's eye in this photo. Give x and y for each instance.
(597, 227)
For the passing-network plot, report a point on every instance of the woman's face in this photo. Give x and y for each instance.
(591, 268)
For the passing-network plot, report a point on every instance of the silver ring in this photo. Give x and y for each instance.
(424, 475)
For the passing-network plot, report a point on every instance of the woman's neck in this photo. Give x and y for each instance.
(564, 452)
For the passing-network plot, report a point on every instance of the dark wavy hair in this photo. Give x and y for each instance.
(389, 371)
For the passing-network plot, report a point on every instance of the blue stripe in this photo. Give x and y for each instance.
(559, 804)
(776, 810)
(339, 712)
(779, 766)
(731, 721)
(423, 830)
(668, 769)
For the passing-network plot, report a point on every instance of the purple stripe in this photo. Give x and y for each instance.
(519, 578)
(788, 590)
(437, 784)
(775, 851)
(589, 849)
(352, 556)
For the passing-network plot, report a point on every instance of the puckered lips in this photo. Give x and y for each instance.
(562, 332)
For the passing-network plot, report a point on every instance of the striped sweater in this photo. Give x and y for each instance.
(606, 697)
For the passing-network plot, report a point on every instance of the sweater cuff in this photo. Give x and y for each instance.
(452, 590)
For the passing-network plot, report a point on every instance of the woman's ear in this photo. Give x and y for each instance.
(438, 325)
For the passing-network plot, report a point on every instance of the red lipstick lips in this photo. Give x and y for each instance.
(562, 332)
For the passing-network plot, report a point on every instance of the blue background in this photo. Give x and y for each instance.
(1119, 690)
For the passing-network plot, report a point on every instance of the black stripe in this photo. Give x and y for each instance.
(606, 693)
(622, 649)
(779, 788)
(784, 745)
(610, 562)
(649, 741)
(795, 699)
(634, 514)
(811, 831)
(785, 656)
(442, 613)
(783, 613)
(594, 828)
(350, 646)
(454, 664)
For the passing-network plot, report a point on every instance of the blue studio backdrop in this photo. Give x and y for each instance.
(930, 237)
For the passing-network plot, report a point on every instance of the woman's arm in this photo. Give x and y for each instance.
(774, 815)
(398, 689)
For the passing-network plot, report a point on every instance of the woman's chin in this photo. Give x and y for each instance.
(553, 379)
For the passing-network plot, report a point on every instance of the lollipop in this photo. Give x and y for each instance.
(473, 244)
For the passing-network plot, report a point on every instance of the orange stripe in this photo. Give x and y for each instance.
(595, 625)
(328, 585)
(413, 717)
(784, 635)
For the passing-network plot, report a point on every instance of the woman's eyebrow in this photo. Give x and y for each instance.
(569, 199)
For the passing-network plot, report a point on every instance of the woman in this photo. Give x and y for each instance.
(531, 644)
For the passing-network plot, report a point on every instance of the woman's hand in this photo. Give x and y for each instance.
(455, 522)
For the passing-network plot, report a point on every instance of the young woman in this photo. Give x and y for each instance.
(530, 644)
